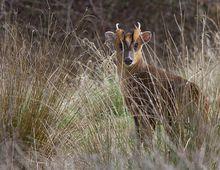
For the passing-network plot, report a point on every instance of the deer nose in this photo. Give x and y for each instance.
(128, 61)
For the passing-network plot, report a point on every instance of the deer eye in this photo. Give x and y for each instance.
(135, 46)
(120, 46)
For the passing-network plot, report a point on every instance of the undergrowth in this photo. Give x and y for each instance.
(55, 117)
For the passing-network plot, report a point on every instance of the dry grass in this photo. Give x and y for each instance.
(53, 118)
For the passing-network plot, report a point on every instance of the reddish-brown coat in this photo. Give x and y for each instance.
(153, 95)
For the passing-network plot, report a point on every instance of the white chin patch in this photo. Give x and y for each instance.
(129, 64)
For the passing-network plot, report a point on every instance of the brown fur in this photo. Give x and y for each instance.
(154, 95)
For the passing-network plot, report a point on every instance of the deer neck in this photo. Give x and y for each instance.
(125, 71)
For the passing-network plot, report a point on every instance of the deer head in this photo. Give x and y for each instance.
(128, 45)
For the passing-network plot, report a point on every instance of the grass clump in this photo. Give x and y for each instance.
(48, 122)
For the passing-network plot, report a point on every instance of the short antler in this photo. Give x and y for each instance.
(139, 25)
(117, 26)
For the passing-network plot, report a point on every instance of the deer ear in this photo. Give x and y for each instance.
(109, 36)
(146, 36)
(109, 39)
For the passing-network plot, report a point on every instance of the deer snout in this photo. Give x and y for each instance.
(128, 60)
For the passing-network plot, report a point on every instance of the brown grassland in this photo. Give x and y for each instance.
(62, 107)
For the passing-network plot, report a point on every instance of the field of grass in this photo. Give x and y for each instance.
(60, 113)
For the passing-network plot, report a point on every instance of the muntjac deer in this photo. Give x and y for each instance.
(151, 94)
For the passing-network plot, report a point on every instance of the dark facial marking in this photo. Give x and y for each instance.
(121, 46)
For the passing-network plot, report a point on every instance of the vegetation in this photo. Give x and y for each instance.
(61, 105)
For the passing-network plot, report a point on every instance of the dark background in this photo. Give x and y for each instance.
(91, 18)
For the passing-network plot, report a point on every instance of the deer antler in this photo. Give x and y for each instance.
(139, 25)
(117, 26)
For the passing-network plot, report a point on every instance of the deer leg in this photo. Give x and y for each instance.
(138, 131)
(147, 127)
(142, 132)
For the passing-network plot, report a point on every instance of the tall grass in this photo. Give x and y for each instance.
(57, 117)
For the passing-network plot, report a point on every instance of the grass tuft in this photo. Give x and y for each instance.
(57, 112)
